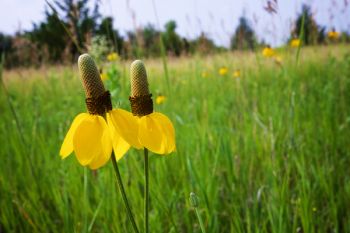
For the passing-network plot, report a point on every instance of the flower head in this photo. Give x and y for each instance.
(333, 35)
(112, 57)
(223, 71)
(278, 59)
(154, 130)
(236, 74)
(89, 136)
(104, 76)
(295, 43)
(204, 74)
(160, 99)
(268, 52)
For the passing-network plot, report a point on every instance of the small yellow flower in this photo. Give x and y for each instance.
(314, 209)
(223, 71)
(295, 43)
(333, 35)
(104, 76)
(204, 74)
(236, 74)
(112, 57)
(160, 99)
(278, 59)
(268, 52)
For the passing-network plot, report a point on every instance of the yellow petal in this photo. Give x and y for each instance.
(106, 146)
(126, 126)
(67, 145)
(151, 135)
(120, 146)
(168, 131)
(87, 139)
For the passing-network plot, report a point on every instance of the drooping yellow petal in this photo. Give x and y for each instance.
(67, 145)
(120, 146)
(126, 126)
(151, 135)
(106, 148)
(87, 139)
(168, 131)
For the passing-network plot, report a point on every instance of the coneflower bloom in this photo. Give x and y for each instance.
(295, 43)
(333, 35)
(112, 57)
(223, 71)
(268, 52)
(89, 136)
(160, 99)
(151, 130)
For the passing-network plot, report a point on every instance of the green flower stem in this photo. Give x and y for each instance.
(146, 192)
(122, 190)
(200, 220)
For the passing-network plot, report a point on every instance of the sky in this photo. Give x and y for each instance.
(217, 18)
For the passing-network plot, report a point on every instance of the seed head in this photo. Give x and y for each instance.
(193, 200)
(138, 79)
(90, 77)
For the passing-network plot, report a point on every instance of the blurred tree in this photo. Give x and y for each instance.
(203, 44)
(150, 38)
(80, 22)
(49, 36)
(5, 44)
(311, 32)
(113, 37)
(172, 40)
(244, 36)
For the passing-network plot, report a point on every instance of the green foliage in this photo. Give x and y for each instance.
(312, 33)
(244, 36)
(172, 41)
(266, 152)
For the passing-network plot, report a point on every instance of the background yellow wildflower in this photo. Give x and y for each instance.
(112, 57)
(295, 43)
(236, 74)
(268, 52)
(160, 99)
(223, 71)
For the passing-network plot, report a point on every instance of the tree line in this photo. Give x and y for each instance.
(70, 27)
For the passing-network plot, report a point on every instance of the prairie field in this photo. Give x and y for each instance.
(265, 146)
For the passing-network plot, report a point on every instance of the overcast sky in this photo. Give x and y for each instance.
(217, 18)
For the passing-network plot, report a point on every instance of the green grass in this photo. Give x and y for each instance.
(266, 152)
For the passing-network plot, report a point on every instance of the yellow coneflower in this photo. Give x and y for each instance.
(112, 56)
(223, 71)
(333, 35)
(268, 52)
(204, 74)
(90, 136)
(104, 76)
(236, 74)
(295, 43)
(154, 130)
(278, 59)
(160, 99)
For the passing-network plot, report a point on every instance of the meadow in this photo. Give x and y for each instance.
(265, 150)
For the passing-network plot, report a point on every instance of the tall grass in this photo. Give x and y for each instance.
(266, 152)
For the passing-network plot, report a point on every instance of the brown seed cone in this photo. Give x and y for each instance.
(140, 99)
(138, 79)
(90, 77)
(98, 101)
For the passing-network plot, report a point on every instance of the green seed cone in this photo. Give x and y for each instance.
(90, 76)
(138, 79)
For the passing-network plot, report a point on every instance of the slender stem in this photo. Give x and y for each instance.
(200, 220)
(122, 190)
(146, 192)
